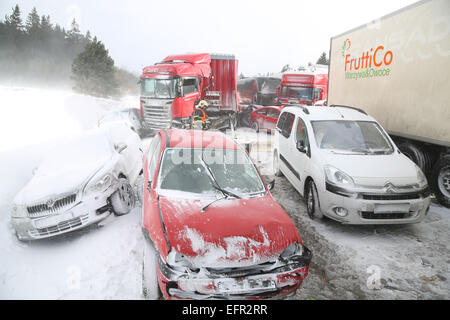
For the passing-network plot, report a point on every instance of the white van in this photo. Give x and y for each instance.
(347, 168)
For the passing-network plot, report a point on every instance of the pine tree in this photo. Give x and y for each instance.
(93, 71)
(15, 19)
(74, 35)
(33, 22)
(323, 59)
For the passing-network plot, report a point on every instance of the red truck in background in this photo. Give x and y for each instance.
(307, 87)
(171, 89)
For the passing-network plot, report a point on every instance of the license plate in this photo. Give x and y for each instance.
(245, 285)
(52, 220)
(391, 208)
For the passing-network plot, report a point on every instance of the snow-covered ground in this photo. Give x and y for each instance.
(106, 262)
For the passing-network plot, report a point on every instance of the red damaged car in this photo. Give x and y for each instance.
(216, 230)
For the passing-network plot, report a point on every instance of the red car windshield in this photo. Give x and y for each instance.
(182, 169)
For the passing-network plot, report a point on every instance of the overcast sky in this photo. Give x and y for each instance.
(264, 35)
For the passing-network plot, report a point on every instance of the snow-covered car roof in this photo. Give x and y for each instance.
(316, 113)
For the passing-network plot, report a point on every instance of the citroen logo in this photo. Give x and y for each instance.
(389, 187)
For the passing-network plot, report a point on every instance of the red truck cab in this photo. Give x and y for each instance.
(308, 87)
(170, 89)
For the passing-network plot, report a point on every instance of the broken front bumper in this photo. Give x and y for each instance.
(266, 281)
(89, 210)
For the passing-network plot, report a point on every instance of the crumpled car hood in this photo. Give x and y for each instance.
(66, 169)
(229, 233)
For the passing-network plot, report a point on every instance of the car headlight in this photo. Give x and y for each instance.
(294, 249)
(421, 179)
(178, 260)
(337, 177)
(18, 212)
(99, 185)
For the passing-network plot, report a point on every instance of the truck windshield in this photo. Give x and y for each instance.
(358, 137)
(301, 93)
(186, 170)
(268, 85)
(158, 88)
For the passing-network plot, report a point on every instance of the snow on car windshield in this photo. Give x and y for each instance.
(351, 136)
(186, 170)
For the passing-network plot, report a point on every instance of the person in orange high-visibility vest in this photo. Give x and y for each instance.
(199, 116)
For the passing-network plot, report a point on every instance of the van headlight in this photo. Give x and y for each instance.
(338, 177)
(99, 185)
(421, 179)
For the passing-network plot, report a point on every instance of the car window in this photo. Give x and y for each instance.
(302, 133)
(287, 125)
(186, 170)
(153, 157)
(281, 120)
(190, 85)
(273, 113)
(262, 112)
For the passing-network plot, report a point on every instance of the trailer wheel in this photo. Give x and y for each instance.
(417, 155)
(440, 180)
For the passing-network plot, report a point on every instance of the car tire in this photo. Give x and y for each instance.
(312, 201)
(440, 180)
(150, 286)
(276, 164)
(124, 198)
(255, 126)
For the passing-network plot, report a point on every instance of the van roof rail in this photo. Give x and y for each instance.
(304, 109)
(356, 109)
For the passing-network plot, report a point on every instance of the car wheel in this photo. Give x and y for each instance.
(312, 201)
(276, 164)
(150, 286)
(255, 126)
(124, 199)
(440, 180)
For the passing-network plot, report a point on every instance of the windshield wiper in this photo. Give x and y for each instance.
(226, 193)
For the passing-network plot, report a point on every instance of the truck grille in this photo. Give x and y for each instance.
(49, 207)
(60, 227)
(157, 113)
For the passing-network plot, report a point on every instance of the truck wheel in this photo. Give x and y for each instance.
(416, 154)
(150, 286)
(276, 164)
(123, 199)
(440, 180)
(312, 201)
(255, 126)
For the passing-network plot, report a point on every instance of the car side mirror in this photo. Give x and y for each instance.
(120, 147)
(271, 185)
(301, 146)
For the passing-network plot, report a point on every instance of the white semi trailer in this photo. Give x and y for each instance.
(397, 69)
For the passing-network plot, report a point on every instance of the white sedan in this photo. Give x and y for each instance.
(347, 167)
(80, 183)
